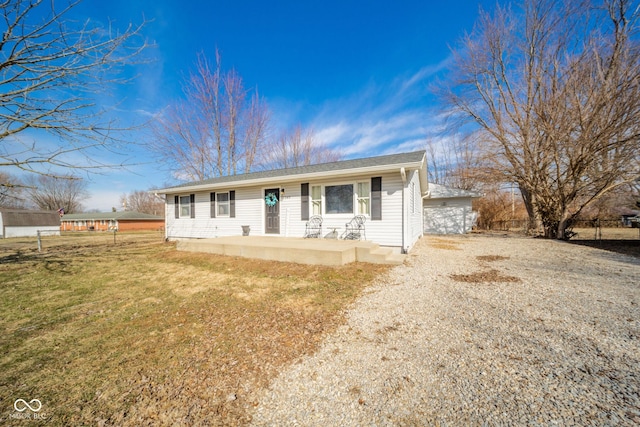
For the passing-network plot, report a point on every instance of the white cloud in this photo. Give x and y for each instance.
(425, 73)
(333, 134)
(381, 119)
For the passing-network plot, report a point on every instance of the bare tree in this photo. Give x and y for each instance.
(498, 208)
(52, 193)
(144, 202)
(455, 162)
(50, 71)
(216, 130)
(555, 92)
(297, 147)
(11, 192)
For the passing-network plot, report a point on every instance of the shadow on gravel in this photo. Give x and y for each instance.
(627, 247)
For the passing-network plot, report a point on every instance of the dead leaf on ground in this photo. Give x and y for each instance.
(485, 276)
(491, 258)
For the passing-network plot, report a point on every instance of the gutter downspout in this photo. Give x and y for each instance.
(403, 174)
(427, 195)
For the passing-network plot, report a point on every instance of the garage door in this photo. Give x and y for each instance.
(448, 219)
(443, 220)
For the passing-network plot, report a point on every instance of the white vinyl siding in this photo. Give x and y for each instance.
(250, 210)
(414, 223)
(412, 192)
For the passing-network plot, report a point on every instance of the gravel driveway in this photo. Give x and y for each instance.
(478, 330)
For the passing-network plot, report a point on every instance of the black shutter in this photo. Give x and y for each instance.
(232, 204)
(304, 201)
(176, 203)
(192, 200)
(376, 198)
(213, 205)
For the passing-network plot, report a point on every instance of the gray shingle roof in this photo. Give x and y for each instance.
(342, 165)
(25, 218)
(438, 191)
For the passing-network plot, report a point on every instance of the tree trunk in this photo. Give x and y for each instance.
(528, 199)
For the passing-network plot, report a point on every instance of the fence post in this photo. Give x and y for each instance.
(39, 242)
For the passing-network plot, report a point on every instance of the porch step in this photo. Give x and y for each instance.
(303, 251)
(374, 254)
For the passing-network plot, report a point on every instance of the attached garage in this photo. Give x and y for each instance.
(448, 210)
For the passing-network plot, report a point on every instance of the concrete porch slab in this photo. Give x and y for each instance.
(291, 249)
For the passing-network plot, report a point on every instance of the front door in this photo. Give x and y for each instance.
(272, 210)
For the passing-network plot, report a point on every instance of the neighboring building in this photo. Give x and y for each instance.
(109, 221)
(448, 210)
(629, 217)
(388, 190)
(24, 223)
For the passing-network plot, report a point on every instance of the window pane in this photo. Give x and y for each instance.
(223, 209)
(223, 204)
(317, 208)
(363, 198)
(363, 206)
(185, 206)
(316, 192)
(339, 198)
(363, 189)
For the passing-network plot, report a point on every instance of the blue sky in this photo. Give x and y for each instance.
(358, 72)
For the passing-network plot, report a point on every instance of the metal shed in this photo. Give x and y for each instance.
(25, 223)
(448, 210)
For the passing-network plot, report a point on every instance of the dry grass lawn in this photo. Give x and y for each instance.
(136, 333)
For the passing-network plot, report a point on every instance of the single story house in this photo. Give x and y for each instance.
(448, 210)
(109, 221)
(25, 223)
(388, 190)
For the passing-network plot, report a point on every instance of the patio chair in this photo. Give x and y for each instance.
(313, 228)
(354, 229)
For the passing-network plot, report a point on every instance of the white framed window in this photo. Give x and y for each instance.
(316, 200)
(185, 206)
(222, 200)
(363, 198)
